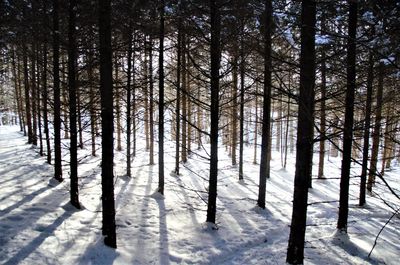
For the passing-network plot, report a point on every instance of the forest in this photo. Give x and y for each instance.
(208, 132)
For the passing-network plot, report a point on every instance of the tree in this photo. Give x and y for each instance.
(161, 102)
(295, 253)
(107, 124)
(215, 53)
(73, 149)
(266, 118)
(56, 89)
(367, 124)
(348, 122)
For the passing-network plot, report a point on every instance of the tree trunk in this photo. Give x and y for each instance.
(266, 118)
(323, 106)
(16, 88)
(92, 106)
(367, 124)
(256, 128)
(295, 253)
(349, 119)
(27, 97)
(56, 89)
(151, 107)
(129, 102)
(117, 102)
(45, 102)
(199, 119)
(234, 114)
(215, 51)
(376, 132)
(241, 121)
(146, 95)
(107, 124)
(65, 97)
(178, 95)
(79, 118)
(73, 149)
(34, 96)
(161, 102)
(38, 99)
(184, 101)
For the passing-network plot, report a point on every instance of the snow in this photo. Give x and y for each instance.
(39, 226)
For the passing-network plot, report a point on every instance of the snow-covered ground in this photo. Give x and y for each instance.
(39, 226)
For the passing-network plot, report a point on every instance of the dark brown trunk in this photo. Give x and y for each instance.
(56, 89)
(266, 118)
(349, 118)
(161, 102)
(107, 124)
(367, 125)
(215, 51)
(73, 149)
(295, 253)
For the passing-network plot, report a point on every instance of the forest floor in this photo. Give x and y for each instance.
(39, 226)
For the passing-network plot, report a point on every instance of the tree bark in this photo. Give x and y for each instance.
(266, 118)
(295, 253)
(178, 94)
(56, 89)
(376, 133)
(151, 107)
(161, 102)
(45, 102)
(129, 102)
(73, 149)
(367, 125)
(349, 118)
(107, 124)
(215, 51)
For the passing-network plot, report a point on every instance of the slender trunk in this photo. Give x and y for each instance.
(16, 88)
(73, 149)
(133, 101)
(367, 125)
(287, 129)
(189, 114)
(151, 107)
(34, 96)
(92, 103)
(21, 96)
(376, 132)
(335, 141)
(386, 139)
(27, 97)
(256, 127)
(79, 118)
(107, 124)
(39, 108)
(56, 89)
(266, 118)
(117, 102)
(129, 102)
(184, 102)
(234, 114)
(161, 102)
(214, 111)
(241, 121)
(146, 96)
(178, 96)
(322, 128)
(349, 118)
(65, 97)
(199, 119)
(295, 253)
(45, 102)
